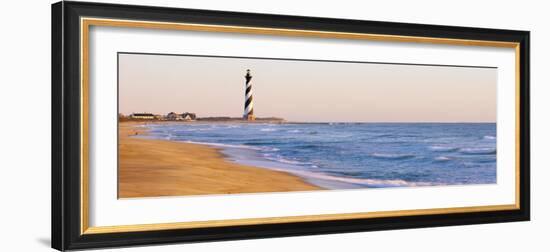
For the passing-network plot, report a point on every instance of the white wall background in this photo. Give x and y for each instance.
(25, 142)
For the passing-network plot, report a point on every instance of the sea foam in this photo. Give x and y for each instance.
(358, 155)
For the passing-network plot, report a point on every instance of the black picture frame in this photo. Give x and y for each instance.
(66, 114)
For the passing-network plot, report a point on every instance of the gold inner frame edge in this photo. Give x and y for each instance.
(85, 24)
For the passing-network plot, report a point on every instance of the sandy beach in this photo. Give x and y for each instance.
(152, 168)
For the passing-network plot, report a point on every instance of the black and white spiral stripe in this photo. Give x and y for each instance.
(248, 104)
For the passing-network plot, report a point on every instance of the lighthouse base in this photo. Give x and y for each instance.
(249, 117)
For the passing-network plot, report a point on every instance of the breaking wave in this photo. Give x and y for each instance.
(392, 156)
(478, 151)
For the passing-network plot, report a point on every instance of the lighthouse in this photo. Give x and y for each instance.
(248, 104)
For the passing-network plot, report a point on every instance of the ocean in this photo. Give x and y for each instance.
(354, 155)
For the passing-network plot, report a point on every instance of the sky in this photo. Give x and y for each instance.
(306, 91)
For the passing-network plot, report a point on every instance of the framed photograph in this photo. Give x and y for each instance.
(182, 125)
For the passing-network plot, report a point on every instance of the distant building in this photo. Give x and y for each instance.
(248, 103)
(142, 116)
(180, 117)
(189, 116)
(173, 117)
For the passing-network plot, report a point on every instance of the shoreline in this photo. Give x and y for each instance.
(263, 121)
(153, 168)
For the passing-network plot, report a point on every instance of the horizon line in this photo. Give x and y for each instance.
(305, 122)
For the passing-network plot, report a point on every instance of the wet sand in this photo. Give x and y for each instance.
(152, 168)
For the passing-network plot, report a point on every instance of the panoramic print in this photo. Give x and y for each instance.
(196, 125)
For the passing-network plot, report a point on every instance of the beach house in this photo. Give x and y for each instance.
(189, 116)
(180, 117)
(173, 117)
(142, 116)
